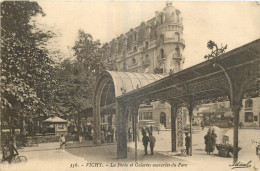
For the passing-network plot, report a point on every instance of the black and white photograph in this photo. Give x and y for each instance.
(130, 85)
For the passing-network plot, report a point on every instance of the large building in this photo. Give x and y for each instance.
(154, 47)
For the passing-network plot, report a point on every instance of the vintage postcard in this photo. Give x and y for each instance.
(130, 85)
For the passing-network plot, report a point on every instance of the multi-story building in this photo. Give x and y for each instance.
(156, 47)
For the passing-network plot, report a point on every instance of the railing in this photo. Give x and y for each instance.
(161, 57)
(146, 62)
(145, 48)
(132, 66)
(178, 56)
(174, 40)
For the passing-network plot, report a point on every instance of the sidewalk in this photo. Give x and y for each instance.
(56, 145)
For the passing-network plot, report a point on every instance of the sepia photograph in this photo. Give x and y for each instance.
(130, 85)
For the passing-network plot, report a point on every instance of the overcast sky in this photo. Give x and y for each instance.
(231, 23)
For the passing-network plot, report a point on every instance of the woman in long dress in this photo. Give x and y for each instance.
(208, 142)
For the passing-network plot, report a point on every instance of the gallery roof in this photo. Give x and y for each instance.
(125, 82)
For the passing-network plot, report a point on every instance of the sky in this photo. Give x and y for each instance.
(232, 23)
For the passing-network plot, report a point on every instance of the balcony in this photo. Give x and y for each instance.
(174, 40)
(146, 62)
(133, 66)
(176, 56)
(145, 48)
(161, 57)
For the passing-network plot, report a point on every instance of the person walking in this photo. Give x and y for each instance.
(152, 142)
(187, 144)
(208, 142)
(62, 143)
(145, 143)
(214, 140)
(202, 125)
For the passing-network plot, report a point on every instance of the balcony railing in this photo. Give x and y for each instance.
(161, 57)
(134, 65)
(146, 62)
(177, 56)
(175, 40)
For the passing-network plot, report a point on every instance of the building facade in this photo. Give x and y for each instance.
(248, 117)
(154, 47)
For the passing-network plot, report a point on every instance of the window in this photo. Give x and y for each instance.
(147, 57)
(135, 36)
(135, 49)
(162, 53)
(133, 61)
(146, 44)
(249, 103)
(177, 36)
(178, 17)
(162, 38)
(248, 116)
(148, 115)
(140, 116)
(177, 51)
(255, 118)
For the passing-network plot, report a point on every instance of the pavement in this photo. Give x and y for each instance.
(77, 156)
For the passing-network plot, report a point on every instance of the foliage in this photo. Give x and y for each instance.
(26, 68)
(77, 77)
(215, 50)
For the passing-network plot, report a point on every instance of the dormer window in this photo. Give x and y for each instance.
(178, 17)
(135, 36)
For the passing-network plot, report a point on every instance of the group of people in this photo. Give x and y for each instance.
(146, 141)
(108, 134)
(210, 141)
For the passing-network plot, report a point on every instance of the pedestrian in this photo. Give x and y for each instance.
(208, 142)
(202, 125)
(62, 143)
(112, 134)
(187, 144)
(129, 134)
(143, 132)
(214, 140)
(80, 134)
(145, 143)
(152, 142)
(151, 129)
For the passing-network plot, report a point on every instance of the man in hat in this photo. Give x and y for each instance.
(187, 143)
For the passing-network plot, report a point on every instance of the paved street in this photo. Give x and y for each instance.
(48, 157)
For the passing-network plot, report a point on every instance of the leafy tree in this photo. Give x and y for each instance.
(26, 68)
(77, 77)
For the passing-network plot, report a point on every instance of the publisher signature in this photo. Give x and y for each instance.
(239, 164)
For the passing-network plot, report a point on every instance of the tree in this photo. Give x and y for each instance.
(77, 77)
(26, 68)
